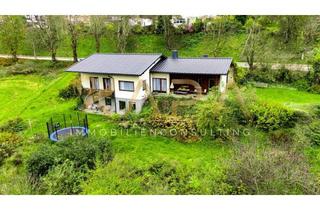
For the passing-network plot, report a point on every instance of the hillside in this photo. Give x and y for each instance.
(189, 45)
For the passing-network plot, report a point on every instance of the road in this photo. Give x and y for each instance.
(291, 66)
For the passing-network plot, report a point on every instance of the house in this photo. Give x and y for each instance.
(118, 82)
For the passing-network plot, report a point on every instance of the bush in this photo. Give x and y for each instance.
(69, 92)
(6, 62)
(80, 150)
(14, 126)
(83, 152)
(180, 128)
(240, 75)
(212, 117)
(239, 105)
(272, 116)
(281, 136)
(314, 133)
(302, 85)
(315, 88)
(8, 144)
(63, 179)
(41, 161)
(270, 171)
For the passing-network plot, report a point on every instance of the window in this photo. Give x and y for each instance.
(133, 106)
(159, 84)
(122, 105)
(107, 83)
(108, 101)
(94, 82)
(126, 86)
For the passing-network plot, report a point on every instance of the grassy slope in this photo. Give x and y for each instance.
(189, 45)
(289, 97)
(34, 98)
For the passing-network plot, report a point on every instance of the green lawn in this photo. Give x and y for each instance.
(289, 97)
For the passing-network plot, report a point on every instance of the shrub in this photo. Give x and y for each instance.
(270, 171)
(314, 133)
(316, 111)
(315, 88)
(14, 126)
(63, 179)
(180, 128)
(6, 62)
(212, 117)
(69, 92)
(239, 105)
(8, 144)
(272, 116)
(302, 85)
(83, 152)
(281, 136)
(240, 75)
(41, 161)
(27, 67)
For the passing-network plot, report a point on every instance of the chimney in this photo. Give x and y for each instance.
(205, 56)
(174, 54)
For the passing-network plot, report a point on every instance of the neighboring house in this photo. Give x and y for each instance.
(118, 82)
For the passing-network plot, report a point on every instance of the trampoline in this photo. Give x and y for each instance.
(74, 126)
(67, 132)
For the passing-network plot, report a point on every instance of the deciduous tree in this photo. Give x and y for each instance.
(74, 29)
(97, 29)
(51, 33)
(250, 48)
(12, 33)
(123, 31)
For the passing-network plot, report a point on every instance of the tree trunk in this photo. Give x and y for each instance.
(97, 44)
(74, 46)
(14, 55)
(53, 56)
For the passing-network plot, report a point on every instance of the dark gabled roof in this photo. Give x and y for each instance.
(203, 65)
(126, 64)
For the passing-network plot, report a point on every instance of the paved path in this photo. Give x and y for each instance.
(45, 58)
(275, 66)
(292, 67)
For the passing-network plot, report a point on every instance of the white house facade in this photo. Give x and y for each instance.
(122, 82)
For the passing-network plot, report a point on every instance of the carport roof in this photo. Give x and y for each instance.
(203, 65)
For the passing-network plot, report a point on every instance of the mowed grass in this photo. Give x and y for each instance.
(289, 97)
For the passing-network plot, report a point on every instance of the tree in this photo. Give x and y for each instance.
(123, 31)
(250, 48)
(291, 27)
(12, 33)
(218, 27)
(74, 28)
(97, 29)
(168, 31)
(315, 73)
(51, 33)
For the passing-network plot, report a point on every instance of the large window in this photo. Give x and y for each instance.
(107, 83)
(126, 86)
(94, 82)
(159, 84)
